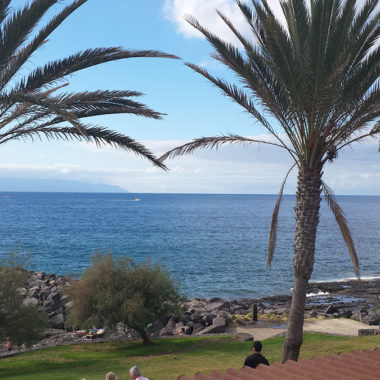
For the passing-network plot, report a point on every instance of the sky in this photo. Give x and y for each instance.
(193, 108)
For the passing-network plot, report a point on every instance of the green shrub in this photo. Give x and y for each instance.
(113, 290)
(23, 324)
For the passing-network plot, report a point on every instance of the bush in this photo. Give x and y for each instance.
(114, 290)
(23, 324)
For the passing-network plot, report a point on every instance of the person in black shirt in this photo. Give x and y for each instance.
(256, 358)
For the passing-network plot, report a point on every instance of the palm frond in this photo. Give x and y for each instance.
(17, 27)
(59, 69)
(81, 103)
(274, 221)
(98, 135)
(32, 103)
(22, 55)
(211, 143)
(4, 11)
(105, 102)
(342, 223)
(364, 32)
(45, 103)
(242, 98)
(255, 73)
(69, 107)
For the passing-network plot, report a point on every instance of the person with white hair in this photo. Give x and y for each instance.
(111, 376)
(135, 373)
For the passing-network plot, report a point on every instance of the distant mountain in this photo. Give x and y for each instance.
(56, 185)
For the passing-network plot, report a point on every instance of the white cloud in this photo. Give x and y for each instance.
(61, 168)
(205, 12)
(231, 169)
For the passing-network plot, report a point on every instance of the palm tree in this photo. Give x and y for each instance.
(32, 103)
(317, 76)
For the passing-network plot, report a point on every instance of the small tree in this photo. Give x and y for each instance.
(114, 290)
(21, 323)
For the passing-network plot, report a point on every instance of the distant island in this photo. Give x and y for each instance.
(56, 185)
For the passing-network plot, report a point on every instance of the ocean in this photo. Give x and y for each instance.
(213, 245)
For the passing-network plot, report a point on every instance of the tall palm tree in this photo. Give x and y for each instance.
(317, 76)
(32, 103)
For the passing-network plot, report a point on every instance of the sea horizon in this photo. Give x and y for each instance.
(127, 192)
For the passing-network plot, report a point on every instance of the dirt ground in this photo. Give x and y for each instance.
(264, 329)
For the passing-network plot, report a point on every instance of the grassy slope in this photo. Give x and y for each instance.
(166, 358)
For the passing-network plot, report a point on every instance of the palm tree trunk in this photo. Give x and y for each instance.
(308, 200)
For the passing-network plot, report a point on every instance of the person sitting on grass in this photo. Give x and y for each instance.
(111, 376)
(256, 358)
(135, 374)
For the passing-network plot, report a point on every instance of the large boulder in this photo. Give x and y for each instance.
(238, 309)
(198, 327)
(39, 275)
(220, 321)
(220, 305)
(347, 313)
(34, 291)
(44, 293)
(58, 321)
(215, 299)
(30, 301)
(155, 328)
(189, 329)
(57, 311)
(196, 317)
(53, 297)
(331, 310)
(65, 299)
(51, 306)
(195, 304)
(219, 324)
(362, 332)
(213, 329)
(372, 318)
(22, 291)
(169, 329)
(207, 319)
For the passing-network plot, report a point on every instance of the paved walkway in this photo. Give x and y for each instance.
(268, 329)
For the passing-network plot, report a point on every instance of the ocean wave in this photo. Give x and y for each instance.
(364, 278)
(317, 294)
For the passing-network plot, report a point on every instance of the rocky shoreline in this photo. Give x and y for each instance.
(359, 300)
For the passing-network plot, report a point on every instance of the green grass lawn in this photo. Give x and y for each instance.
(166, 358)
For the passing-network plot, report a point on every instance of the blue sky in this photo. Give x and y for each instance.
(194, 108)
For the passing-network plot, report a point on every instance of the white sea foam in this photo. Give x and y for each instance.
(364, 278)
(317, 294)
